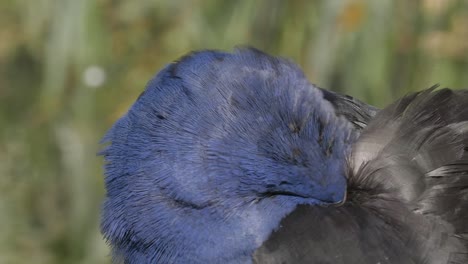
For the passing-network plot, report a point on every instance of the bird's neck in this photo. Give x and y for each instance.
(206, 235)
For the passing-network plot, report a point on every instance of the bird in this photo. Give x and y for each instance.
(236, 157)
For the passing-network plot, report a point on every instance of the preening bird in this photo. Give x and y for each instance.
(238, 158)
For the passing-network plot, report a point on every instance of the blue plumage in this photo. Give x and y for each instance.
(214, 153)
(237, 158)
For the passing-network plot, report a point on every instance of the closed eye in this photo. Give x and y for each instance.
(285, 193)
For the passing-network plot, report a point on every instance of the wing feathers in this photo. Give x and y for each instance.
(416, 151)
(407, 192)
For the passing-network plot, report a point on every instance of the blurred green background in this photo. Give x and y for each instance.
(70, 68)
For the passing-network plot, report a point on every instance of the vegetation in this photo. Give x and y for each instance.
(69, 69)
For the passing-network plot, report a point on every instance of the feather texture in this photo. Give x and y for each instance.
(216, 151)
(407, 192)
(237, 158)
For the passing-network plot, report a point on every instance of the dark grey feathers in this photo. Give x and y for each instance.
(355, 111)
(407, 193)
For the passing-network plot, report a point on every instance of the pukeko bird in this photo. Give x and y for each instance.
(238, 158)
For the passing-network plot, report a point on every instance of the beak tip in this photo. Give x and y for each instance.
(342, 201)
(338, 196)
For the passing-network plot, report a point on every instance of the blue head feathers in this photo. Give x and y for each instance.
(214, 153)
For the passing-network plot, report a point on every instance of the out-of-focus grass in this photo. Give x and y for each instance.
(69, 69)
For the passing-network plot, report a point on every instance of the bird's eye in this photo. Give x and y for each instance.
(284, 183)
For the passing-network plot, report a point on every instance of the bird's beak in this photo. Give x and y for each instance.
(333, 194)
(343, 201)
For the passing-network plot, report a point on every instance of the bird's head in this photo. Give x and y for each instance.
(223, 132)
